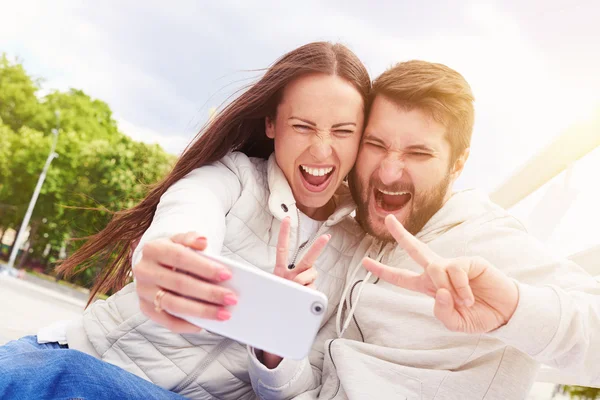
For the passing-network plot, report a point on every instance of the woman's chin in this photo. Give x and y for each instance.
(316, 205)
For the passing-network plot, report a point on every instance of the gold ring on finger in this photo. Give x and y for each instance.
(158, 299)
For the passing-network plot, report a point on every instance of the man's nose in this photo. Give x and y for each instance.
(390, 171)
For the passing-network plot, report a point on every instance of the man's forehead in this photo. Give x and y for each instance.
(400, 126)
(402, 138)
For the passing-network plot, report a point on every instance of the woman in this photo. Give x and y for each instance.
(228, 194)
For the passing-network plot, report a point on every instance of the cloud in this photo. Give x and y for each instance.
(171, 142)
(58, 42)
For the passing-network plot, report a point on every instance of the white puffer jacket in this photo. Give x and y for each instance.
(238, 204)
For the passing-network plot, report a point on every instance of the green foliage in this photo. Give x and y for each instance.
(582, 393)
(18, 103)
(99, 170)
(91, 119)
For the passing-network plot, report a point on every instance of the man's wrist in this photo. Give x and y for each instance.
(513, 301)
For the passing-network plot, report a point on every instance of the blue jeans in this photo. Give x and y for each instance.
(29, 370)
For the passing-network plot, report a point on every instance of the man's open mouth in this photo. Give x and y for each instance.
(316, 179)
(391, 201)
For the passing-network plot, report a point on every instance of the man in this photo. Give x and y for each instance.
(469, 306)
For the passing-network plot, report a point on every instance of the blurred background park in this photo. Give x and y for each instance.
(97, 168)
(120, 88)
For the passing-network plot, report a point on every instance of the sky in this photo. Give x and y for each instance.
(533, 66)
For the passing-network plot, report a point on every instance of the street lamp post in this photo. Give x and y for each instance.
(36, 193)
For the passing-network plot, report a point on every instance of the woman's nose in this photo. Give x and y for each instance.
(321, 149)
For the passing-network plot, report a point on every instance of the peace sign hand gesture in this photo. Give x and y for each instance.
(303, 272)
(471, 295)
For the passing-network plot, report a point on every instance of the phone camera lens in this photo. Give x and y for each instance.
(317, 308)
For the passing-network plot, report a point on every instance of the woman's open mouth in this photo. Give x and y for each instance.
(316, 179)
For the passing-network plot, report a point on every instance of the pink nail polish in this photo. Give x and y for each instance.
(224, 275)
(223, 315)
(230, 300)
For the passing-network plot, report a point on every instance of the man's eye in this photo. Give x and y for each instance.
(375, 145)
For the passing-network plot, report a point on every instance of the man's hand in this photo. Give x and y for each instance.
(471, 295)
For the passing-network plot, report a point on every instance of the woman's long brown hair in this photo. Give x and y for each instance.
(240, 126)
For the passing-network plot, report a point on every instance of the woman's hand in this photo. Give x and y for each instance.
(303, 273)
(188, 281)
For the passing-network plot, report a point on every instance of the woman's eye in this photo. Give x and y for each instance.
(343, 132)
(302, 128)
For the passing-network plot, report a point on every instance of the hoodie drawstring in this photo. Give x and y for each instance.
(338, 319)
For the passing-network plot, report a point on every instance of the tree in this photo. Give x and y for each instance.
(109, 177)
(579, 392)
(19, 105)
(6, 140)
(7, 137)
(20, 164)
(91, 119)
(99, 170)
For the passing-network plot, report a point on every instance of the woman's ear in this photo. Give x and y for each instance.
(270, 127)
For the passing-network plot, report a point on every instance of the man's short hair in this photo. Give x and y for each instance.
(436, 89)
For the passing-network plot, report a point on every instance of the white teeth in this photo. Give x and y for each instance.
(393, 193)
(317, 171)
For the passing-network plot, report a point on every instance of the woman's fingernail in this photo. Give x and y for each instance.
(201, 240)
(223, 315)
(224, 275)
(230, 300)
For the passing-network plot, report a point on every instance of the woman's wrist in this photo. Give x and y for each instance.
(269, 360)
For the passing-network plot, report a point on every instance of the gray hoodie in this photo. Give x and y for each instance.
(394, 347)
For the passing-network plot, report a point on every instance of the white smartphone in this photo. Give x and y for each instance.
(272, 314)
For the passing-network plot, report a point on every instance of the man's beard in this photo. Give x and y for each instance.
(423, 205)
